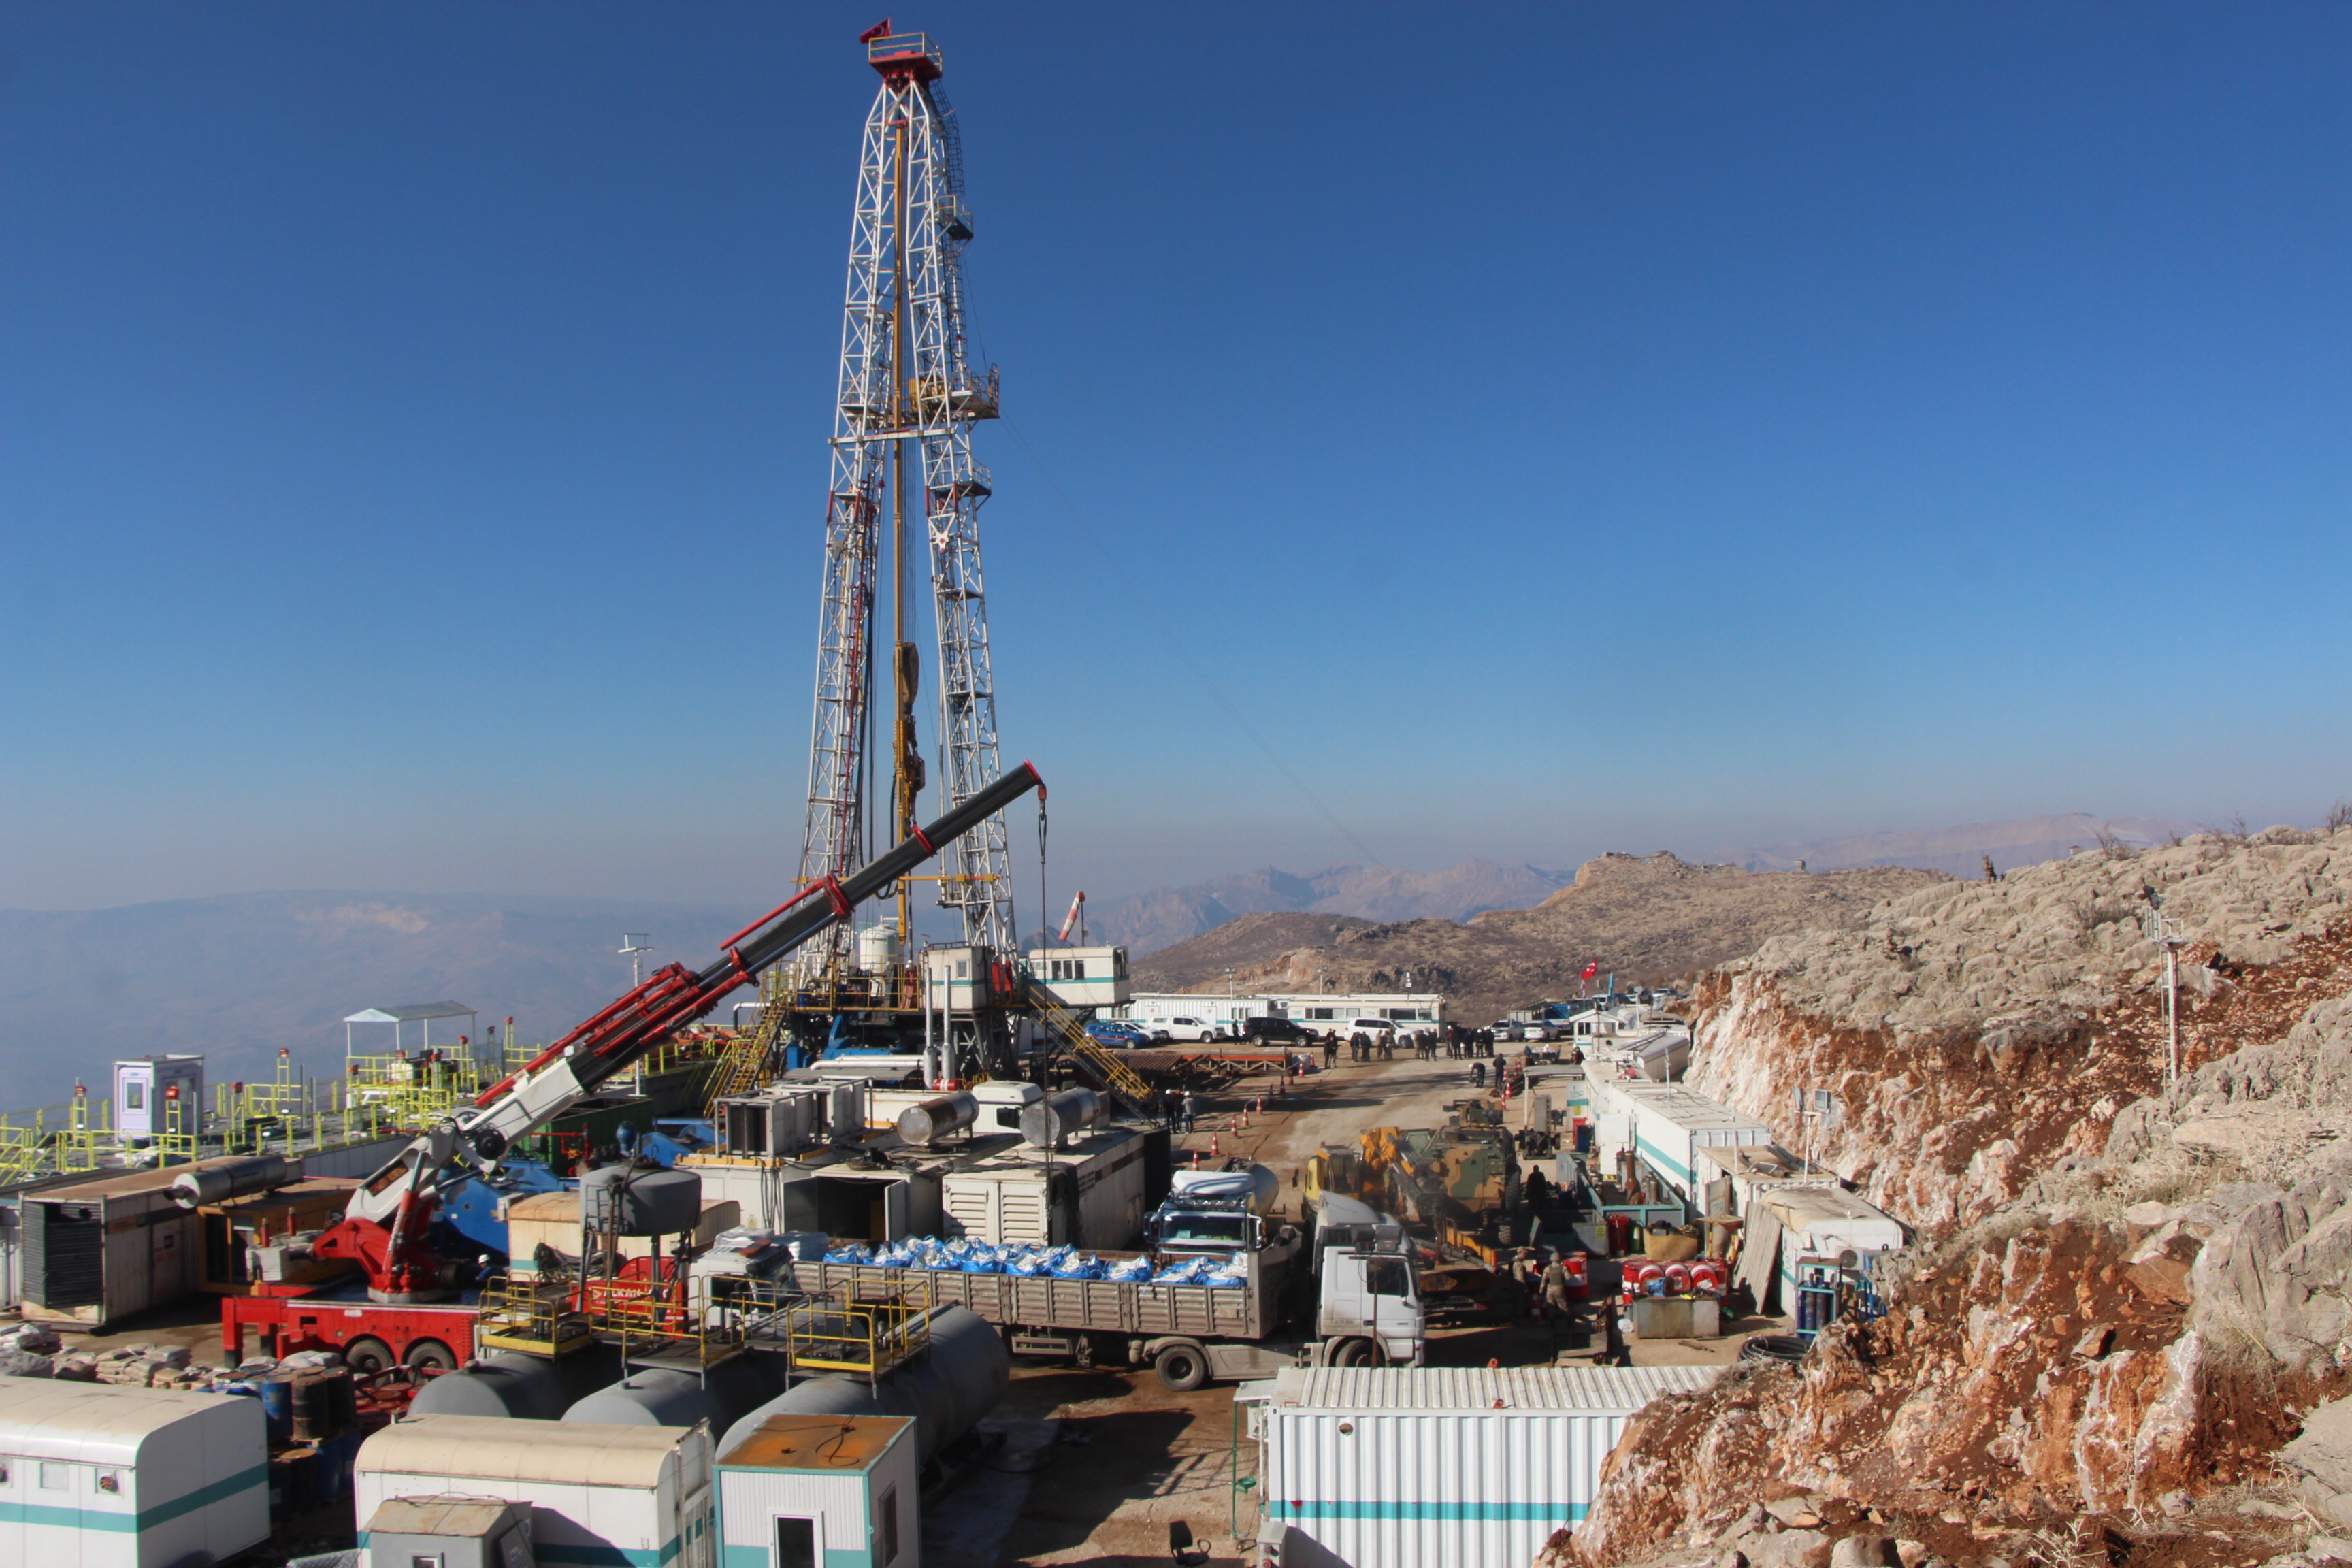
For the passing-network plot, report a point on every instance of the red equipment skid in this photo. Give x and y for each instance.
(440, 1335)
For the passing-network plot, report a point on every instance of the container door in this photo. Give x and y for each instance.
(894, 1210)
(800, 1542)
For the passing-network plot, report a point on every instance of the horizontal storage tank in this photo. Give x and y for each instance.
(946, 1390)
(840, 1490)
(936, 1117)
(1046, 1122)
(217, 1181)
(105, 1477)
(663, 1396)
(597, 1494)
(1402, 1467)
(524, 1387)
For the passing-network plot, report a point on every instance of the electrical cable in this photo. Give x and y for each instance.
(1138, 600)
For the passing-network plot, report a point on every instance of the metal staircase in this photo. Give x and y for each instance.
(1115, 1077)
(738, 1067)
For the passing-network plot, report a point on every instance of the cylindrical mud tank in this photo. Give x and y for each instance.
(217, 1180)
(649, 1203)
(658, 1397)
(1046, 1122)
(947, 1389)
(508, 1383)
(934, 1119)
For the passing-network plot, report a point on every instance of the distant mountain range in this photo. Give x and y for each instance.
(1166, 916)
(239, 976)
(1961, 851)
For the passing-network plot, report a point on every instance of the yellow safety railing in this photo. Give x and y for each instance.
(22, 1148)
(82, 1146)
(861, 1336)
(1116, 1075)
(176, 1140)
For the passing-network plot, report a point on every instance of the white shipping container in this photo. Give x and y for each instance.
(95, 1476)
(1667, 1124)
(598, 1494)
(1439, 1467)
(841, 1490)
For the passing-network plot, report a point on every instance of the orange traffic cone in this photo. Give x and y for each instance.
(1213, 1145)
(1196, 1159)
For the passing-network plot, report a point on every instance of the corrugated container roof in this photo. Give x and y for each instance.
(1592, 1389)
(1683, 1106)
(35, 1408)
(498, 1448)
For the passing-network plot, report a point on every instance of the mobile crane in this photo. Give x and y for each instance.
(386, 1227)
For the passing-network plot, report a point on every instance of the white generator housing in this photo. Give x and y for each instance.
(1090, 1195)
(597, 1494)
(95, 1476)
(1667, 1124)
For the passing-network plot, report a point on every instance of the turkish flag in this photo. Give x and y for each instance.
(1593, 969)
(880, 29)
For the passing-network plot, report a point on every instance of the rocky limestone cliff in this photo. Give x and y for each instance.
(2126, 1297)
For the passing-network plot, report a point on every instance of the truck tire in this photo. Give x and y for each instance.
(433, 1356)
(367, 1355)
(1356, 1352)
(1257, 1040)
(1182, 1368)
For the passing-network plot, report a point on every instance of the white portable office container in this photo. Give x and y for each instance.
(1082, 976)
(94, 1476)
(159, 1094)
(1090, 1195)
(597, 1494)
(1667, 1124)
(823, 1491)
(1438, 1466)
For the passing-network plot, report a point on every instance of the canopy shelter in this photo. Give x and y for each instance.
(420, 1013)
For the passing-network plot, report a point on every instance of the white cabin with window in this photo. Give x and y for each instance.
(1082, 976)
(159, 1094)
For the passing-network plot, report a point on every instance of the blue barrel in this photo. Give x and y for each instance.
(278, 1407)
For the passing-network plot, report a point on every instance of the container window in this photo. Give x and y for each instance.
(55, 1478)
(426, 1560)
(134, 1097)
(887, 1510)
(795, 1543)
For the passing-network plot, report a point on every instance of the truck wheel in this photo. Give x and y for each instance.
(1258, 1040)
(433, 1356)
(1182, 1368)
(1356, 1352)
(367, 1355)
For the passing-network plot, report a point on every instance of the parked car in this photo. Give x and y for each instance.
(1117, 1032)
(1505, 1030)
(1275, 1031)
(1188, 1028)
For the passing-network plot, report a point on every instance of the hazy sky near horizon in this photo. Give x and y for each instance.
(1552, 429)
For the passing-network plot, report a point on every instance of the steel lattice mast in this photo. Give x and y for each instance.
(907, 377)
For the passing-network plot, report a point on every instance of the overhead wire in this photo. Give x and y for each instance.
(1138, 600)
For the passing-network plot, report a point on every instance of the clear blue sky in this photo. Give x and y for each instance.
(1557, 428)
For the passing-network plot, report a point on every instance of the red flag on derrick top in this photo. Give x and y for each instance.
(880, 29)
(1593, 969)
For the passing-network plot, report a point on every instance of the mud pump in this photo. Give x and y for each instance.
(386, 1227)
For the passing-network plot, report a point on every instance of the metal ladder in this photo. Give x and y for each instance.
(1116, 1076)
(739, 1069)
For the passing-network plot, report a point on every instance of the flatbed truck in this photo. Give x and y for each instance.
(1360, 1310)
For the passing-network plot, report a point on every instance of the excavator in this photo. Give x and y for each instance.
(387, 1225)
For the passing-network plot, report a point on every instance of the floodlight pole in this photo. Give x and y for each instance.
(633, 943)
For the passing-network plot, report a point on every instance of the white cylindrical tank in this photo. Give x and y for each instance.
(947, 1389)
(1046, 1122)
(878, 947)
(934, 1119)
(649, 1203)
